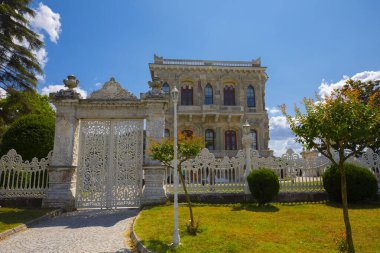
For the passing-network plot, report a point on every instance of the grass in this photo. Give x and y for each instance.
(273, 228)
(13, 217)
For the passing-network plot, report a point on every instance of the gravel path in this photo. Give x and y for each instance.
(79, 231)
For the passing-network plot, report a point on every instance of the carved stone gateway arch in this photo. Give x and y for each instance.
(98, 148)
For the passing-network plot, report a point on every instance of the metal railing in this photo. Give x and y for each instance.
(20, 178)
(207, 173)
(159, 60)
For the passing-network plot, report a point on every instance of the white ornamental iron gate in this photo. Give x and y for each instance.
(110, 160)
(109, 166)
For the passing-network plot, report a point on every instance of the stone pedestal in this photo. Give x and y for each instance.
(62, 170)
(153, 191)
(61, 193)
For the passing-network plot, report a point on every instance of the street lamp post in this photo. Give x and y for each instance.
(247, 142)
(176, 239)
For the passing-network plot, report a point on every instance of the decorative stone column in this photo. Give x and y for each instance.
(153, 191)
(156, 103)
(61, 192)
(247, 141)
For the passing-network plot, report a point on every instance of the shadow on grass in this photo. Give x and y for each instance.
(256, 208)
(13, 216)
(357, 205)
(158, 246)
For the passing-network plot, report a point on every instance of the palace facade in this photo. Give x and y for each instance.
(215, 99)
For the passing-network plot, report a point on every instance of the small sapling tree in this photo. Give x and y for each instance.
(188, 147)
(347, 120)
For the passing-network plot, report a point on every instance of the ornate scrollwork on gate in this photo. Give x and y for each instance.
(127, 162)
(93, 161)
(109, 171)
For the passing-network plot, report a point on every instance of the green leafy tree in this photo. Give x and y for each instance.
(17, 104)
(367, 93)
(31, 136)
(188, 147)
(342, 122)
(18, 62)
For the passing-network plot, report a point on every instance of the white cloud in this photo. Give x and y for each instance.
(280, 146)
(41, 56)
(281, 137)
(274, 110)
(47, 20)
(98, 85)
(55, 88)
(278, 122)
(325, 88)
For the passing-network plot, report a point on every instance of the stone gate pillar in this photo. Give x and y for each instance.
(61, 192)
(156, 103)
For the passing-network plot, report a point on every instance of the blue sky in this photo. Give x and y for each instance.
(301, 42)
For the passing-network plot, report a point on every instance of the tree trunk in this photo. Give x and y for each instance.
(187, 199)
(346, 218)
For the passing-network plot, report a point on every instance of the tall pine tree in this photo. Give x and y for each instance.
(18, 63)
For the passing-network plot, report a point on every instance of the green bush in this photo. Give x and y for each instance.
(361, 183)
(263, 184)
(31, 136)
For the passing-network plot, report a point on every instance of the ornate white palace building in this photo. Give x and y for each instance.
(216, 98)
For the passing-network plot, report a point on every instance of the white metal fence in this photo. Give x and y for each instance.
(20, 178)
(207, 174)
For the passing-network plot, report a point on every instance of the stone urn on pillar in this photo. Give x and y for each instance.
(71, 82)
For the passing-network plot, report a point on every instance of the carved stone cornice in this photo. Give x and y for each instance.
(64, 94)
(112, 90)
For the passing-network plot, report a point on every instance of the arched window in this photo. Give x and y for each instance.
(208, 95)
(187, 95)
(254, 137)
(187, 133)
(229, 95)
(251, 96)
(167, 133)
(230, 140)
(166, 87)
(210, 139)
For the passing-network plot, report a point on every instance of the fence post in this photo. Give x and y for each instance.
(247, 141)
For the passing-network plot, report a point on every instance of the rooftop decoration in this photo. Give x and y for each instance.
(112, 90)
(71, 82)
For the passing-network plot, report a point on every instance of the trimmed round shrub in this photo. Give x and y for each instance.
(361, 183)
(263, 184)
(31, 136)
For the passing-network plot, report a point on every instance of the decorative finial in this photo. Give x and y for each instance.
(156, 83)
(112, 79)
(71, 82)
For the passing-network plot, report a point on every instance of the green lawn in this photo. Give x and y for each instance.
(13, 217)
(248, 228)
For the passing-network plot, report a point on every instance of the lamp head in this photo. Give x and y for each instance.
(246, 127)
(174, 93)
